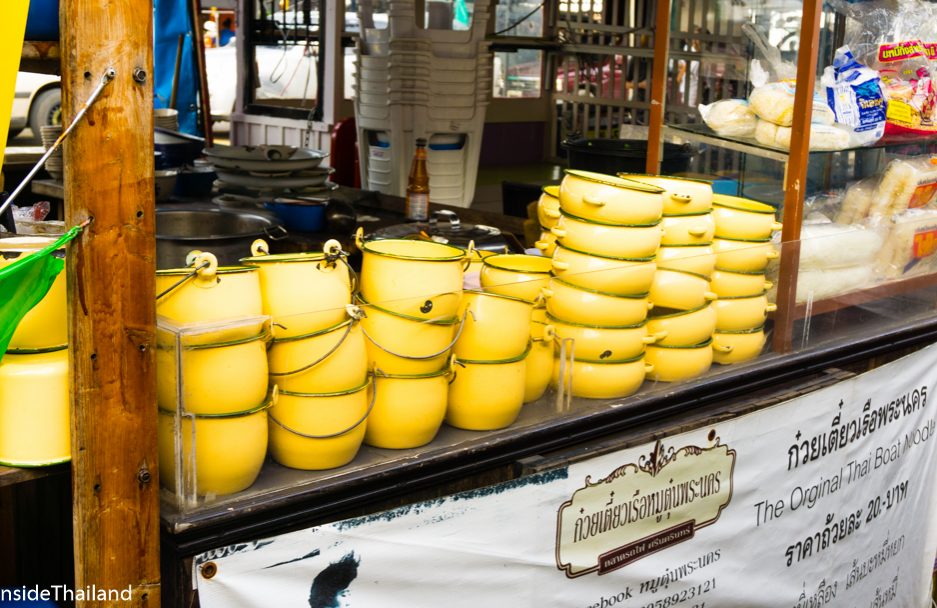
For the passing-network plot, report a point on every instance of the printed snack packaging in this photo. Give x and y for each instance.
(854, 93)
(909, 88)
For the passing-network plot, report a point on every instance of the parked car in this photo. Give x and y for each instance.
(36, 102)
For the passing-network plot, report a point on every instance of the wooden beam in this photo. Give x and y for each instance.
(658, 86)
(111, 286)
(795, 179)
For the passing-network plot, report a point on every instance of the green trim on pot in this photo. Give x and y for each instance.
(349, 391)
(753, 330)
(261, 336)
(676, 313)
(493, 262)
(702, 344)
(318, 332)
(742, 204)
(689, 272)
(175, 272)
(763, 294)
(449, 321)
(691, 214)
(519, 357)
(637, 296)
(36, 351)
(588, 326)
(482, 292)
(687, 245)
(310, 256)
(610, 362)
(552, 190)
(267, 403)
(379, 374)
(611, 224)
(725, 238)
(365, 248)
(613, 180)
(624, 175)
(745, 272)
(605, 257)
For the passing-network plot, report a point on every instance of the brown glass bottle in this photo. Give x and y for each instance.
(417, 202)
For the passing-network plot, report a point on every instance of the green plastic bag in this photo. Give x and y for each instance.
(25, 282)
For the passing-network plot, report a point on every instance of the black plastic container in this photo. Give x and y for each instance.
(611, 156)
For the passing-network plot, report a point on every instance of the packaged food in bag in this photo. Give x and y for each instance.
(911, 244)
(857, 201)
(729, 117)
(854, 93)
(822, 137)
(774, 102)
(907, 183)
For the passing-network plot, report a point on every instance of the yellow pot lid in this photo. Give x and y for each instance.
(742, 204)
(612, 180)
(553, 191)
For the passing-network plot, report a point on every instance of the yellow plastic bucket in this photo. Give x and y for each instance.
(330, 360)
(303, 292)
(316, 431)
(415, 278)
(46, 325)
(408, 410)
(187, 295)
(222, 373)
(34, 409)
(228, 452)
(486, 395)
(495, 326)
(401, 344)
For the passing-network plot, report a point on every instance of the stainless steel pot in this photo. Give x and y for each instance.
(227, 233)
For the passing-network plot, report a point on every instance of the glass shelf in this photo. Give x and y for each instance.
(700, 133)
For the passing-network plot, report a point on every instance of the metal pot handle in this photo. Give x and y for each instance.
(332, 435)
(259, 247)
(469, 254)
(354, 312)
(450, 216)
(277, 233)
(421, 357)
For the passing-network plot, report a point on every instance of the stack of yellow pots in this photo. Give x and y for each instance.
(607, 238)
(548, 214)
(34, 403)
(211, 377)
(743, 250)
(411, 299)
(683, 318)
(317, 357)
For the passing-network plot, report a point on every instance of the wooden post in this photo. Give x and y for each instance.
(795, 178)
(111, 286)
(658, 86)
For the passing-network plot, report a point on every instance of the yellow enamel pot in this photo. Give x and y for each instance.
(582, 305)
(219, 454)
(680, 290)
(416, 278)
(727, 283)
(495, 327)
(408, 410)
(546, 243)
(218, 375)
(598, 343)
(741, 218)
(517, 275)
(607, 379)
(742, 255)
(683, 327)
(738, 346)
(46, 325)
(486, 395)
(317, 431)
(548, 207)
(742, 313)
(679, 363)
(302, 292)
(329, 360)
(401, 344)
(607, 198)
(682, 194)
(539, 365)
(619, 276)
(477, 260)
(700, 258)
(693, 229)
(212, 294)
(34, 409)
(614, 240)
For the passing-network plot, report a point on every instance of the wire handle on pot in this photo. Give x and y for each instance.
(350, 324)
(331, 435)
(259, 247)
(204, 263)
(422, 357)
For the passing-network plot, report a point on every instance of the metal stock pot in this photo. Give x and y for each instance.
(680, 290)
(329, 360)
(205, 292)
(583, 305)
(728, 283)
(548, 206)
(614, 240)
(408, 410)
(598, 343)
(608, 198)
(738, 346)
(517, 275)
(742, 312)
(681, 328)
(486, 395)
(608, 379)
(740, 218)
(495, 326)
(678, 363)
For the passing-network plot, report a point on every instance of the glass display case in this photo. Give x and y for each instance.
(824, 111)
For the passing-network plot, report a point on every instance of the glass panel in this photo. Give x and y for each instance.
(285, 52)
(448, 15)
(517, 74)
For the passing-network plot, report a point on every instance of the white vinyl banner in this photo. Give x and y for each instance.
(824, 500)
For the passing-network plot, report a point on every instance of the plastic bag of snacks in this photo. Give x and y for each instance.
(729, 118)
(774, 102)
(854, 92)
(907, 183)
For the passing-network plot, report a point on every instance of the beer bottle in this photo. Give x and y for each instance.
(417, 202)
